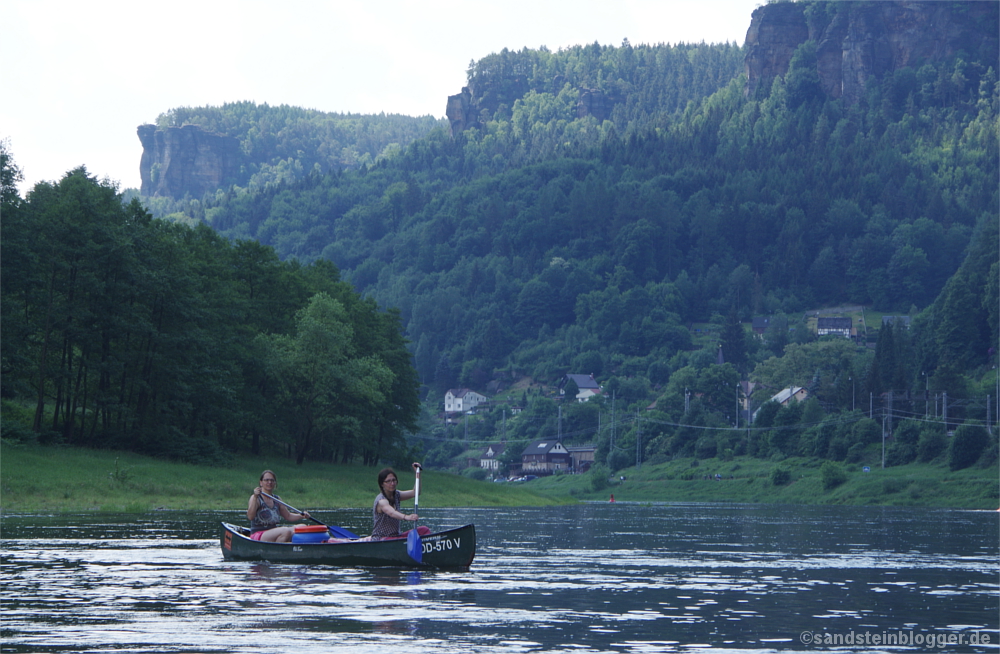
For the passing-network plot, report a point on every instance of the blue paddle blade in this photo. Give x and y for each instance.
(415, 546)
(340, 532)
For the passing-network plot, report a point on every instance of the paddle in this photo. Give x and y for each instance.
(414, 545)
(339, 532)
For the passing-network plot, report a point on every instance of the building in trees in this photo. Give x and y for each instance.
(586, 386)
(545, 456)
(459, 400)
(490, 459)
(836, 326)
(785, 396)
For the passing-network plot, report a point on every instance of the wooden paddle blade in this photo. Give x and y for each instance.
(415, 546)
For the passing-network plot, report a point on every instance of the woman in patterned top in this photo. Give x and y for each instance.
(385, 512)
(265, 514)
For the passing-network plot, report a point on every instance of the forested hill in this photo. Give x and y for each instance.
(548, 241)
(622, 211)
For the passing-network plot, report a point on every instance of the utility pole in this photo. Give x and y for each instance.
(883, 439)
(944, 410)
(612, 421)
(927, 388)
(559, 428)
(737, 405)
(890, 412)
(638, 440)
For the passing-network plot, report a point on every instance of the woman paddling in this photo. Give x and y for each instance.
(265, 514)
(385, 512)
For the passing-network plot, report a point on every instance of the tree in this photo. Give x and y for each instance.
(328, 391)
(570, 391)
(734, 344)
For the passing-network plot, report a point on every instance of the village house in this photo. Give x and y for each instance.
(490, 458)
(545, 456)
(460, 400)
(797, 393)
(581, 457)
(586, 383)
(760, 325)
(836, 326)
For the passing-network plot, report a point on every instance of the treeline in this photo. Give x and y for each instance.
(638, 85)
(123, 331)
(284, 144)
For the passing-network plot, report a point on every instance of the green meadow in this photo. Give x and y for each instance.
(35, 478)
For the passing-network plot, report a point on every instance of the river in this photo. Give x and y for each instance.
(585, 578)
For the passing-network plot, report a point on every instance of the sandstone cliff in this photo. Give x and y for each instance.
(185, 160)
(859, 41)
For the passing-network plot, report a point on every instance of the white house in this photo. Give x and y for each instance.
(588, 387)
(786, 395)
(460, 400)
(489, 459)
(832, 325)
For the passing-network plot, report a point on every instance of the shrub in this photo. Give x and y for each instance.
(866, 431)
(966, 446)
(780, 476)
(903, 448)
(706, 447)
(475, 473)
(856, 453)
(833, 475)
(931, 445)
(598, 477)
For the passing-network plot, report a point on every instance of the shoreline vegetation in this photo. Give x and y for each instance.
(37, 478)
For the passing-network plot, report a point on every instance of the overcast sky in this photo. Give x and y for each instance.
(77, 78)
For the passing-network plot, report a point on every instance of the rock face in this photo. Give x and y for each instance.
(461, 111)
(185, 160)
(859, 41)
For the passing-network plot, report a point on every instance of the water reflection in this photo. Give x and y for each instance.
(590, 578)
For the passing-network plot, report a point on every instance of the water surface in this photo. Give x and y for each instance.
(588, 578)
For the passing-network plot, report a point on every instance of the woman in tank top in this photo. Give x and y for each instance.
(385, 512)
(265, 514)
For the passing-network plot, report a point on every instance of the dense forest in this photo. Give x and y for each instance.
(130, 332)
(632, 242)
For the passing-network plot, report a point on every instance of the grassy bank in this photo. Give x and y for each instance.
(38, 478)
(801, 481)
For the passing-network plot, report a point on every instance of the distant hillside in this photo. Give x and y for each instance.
(591, 205)
(194, 151)
(621, 211)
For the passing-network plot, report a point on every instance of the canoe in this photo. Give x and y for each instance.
(452, 548)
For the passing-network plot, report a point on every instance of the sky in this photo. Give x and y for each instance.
(77, 78)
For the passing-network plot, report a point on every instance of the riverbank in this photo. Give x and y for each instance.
(795, 480)
(37, 478)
